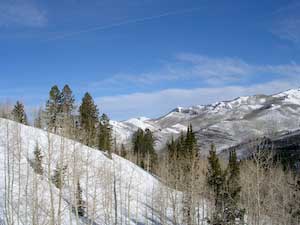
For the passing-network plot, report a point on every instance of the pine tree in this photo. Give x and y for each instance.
(215, 180)
(38, 158)
(190, 143)
(80, 206)
(53, 108)
(233, 214)
(180, 150)
(149, 151)
(58, 177)
(19, 114)
(89, 119)
(104, 137)
(143, 149)
(67, 101)
(189, 164)
(137, 141)
(183, 160)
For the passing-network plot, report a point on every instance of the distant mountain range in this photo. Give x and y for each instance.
(224, 124)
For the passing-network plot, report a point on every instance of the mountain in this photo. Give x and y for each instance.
(114, 190)
(225, 123)
(284, 146)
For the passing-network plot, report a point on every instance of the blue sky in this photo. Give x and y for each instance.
(146, 57)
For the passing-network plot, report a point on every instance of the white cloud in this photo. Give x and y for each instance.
(201, 69)
(21, 12)
(217, 70)
(154, 104)
(223, 79)
(230, 70)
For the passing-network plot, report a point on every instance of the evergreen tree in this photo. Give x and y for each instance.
(80, 207)
(105, 137)
(215, 180)
(58, 177)
(143, 149)
(182, 164)
(183, 153)
(89, 119)
(67, 101)
(149, 150)
(226, 190)
(180, 150)
(137, 142)
(190, 143)
(53, 108)
(19, 114)
(233, 214)
(189, 164)
(38, 158)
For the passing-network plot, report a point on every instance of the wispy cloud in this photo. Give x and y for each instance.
(21, 13)
(216, 70)
(122, 23)
(222, 79)
(199, 68)
(226, 70)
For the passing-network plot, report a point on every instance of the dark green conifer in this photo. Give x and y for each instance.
(233, 213)
(89, 119)
(104, 137)
(38, 158)
(215, 180)
(67, 101)
(19, 114)
(53, 108)
(143, 149)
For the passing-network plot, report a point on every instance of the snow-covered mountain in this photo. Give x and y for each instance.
(114, 190)
(225, 123)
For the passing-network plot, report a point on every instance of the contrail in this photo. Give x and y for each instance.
(132, 21)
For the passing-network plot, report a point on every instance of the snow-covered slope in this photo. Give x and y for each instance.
(225, 123)
(112, 188)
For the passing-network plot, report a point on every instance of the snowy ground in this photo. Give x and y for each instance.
(28, 198)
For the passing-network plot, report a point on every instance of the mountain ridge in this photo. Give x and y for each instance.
(260, 114)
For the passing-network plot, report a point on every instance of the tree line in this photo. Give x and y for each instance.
(61, 116)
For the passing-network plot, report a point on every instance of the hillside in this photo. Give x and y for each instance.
(285, 147)
(115, 191)
(225, 123)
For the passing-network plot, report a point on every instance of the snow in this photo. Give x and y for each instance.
(142, 118)
(246, 112)
(139, 124)
(291, 96)
(227, 123)
(137, 190)
(180, 127)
